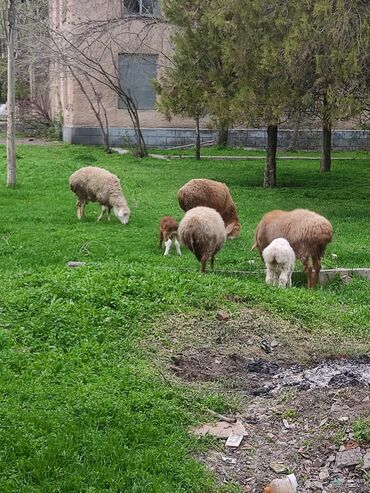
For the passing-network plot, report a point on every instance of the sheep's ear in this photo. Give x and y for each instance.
(229, 228)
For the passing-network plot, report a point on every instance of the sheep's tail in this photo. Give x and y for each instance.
(254, 246)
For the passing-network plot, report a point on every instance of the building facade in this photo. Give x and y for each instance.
(124, 41)
(105, 44)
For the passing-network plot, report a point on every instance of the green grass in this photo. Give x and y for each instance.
(83, 408)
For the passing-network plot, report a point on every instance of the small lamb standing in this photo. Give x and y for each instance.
(279, 259)
(213, 194)
(168, 233)
(307, 232)
(203, 231)
(93, 184)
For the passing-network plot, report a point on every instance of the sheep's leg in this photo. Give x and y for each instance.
(80, 207)
(289, 284)
(177, 246)
(269, 275)
(283, 278)
(108, 213)
(103, 210)
(160, 239)
(203, 262)
(309, 269)
(317, 267)
(275, 272)
(168, 244)
(212, 262)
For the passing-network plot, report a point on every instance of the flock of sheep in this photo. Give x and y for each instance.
(211, 217)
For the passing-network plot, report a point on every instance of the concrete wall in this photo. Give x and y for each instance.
(345, 140)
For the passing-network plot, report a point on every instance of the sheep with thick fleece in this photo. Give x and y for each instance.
(168, 233)
(213, 194)
(93, 184)
(307, 232)
(279, 259)
(203, 231)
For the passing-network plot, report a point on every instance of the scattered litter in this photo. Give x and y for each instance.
(234, 441)
(76, 264)
(278, 467)
(284, 485)
(222, 429)
(229, 460)
(222, 315)
(287, 425)
(266, 346)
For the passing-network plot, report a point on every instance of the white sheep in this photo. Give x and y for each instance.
(93, 184)
(279, 259)
(203, 231)
(213, 194)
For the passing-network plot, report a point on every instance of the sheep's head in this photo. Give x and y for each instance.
(233, 230)
(122, 213)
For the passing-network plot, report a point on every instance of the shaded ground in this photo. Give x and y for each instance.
(300, 397)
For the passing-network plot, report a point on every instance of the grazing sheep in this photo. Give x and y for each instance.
(307, 232)
(279, 259)
(92, 184)
(213, 194)
(168, 232)
(203, 231)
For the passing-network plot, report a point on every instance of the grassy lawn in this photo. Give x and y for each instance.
(84, 407)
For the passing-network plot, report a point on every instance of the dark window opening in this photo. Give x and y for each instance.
(136, 73)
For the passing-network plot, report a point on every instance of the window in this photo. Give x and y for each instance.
(141, 7)
(136, 73)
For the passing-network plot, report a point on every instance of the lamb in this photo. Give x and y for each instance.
(213, 194)
(203, 231)
(307, 232)
(93, 184)
(279, 259)
(168, 233)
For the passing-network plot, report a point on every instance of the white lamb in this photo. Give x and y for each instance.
(279, 259)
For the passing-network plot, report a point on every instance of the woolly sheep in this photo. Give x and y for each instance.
(279, 259)
(203, 231)
(213, 194)
(93, 184)
(168, 232)
(307, 232)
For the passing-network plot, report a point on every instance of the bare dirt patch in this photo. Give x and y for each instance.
(299, 396)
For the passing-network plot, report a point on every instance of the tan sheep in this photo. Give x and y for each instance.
(93, 184)
(203, 231)
(307, 232)
(168, 233)
(213, 194)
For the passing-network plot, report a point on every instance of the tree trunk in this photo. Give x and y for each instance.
(197, 140)
(270, 168)
(295, 137)
(325, 165)
(223, 136)
(32, 81)
(10, 147)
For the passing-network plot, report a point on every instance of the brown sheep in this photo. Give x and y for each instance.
(307, 232)
(168, 232)
(213, 194)
(203, 231)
